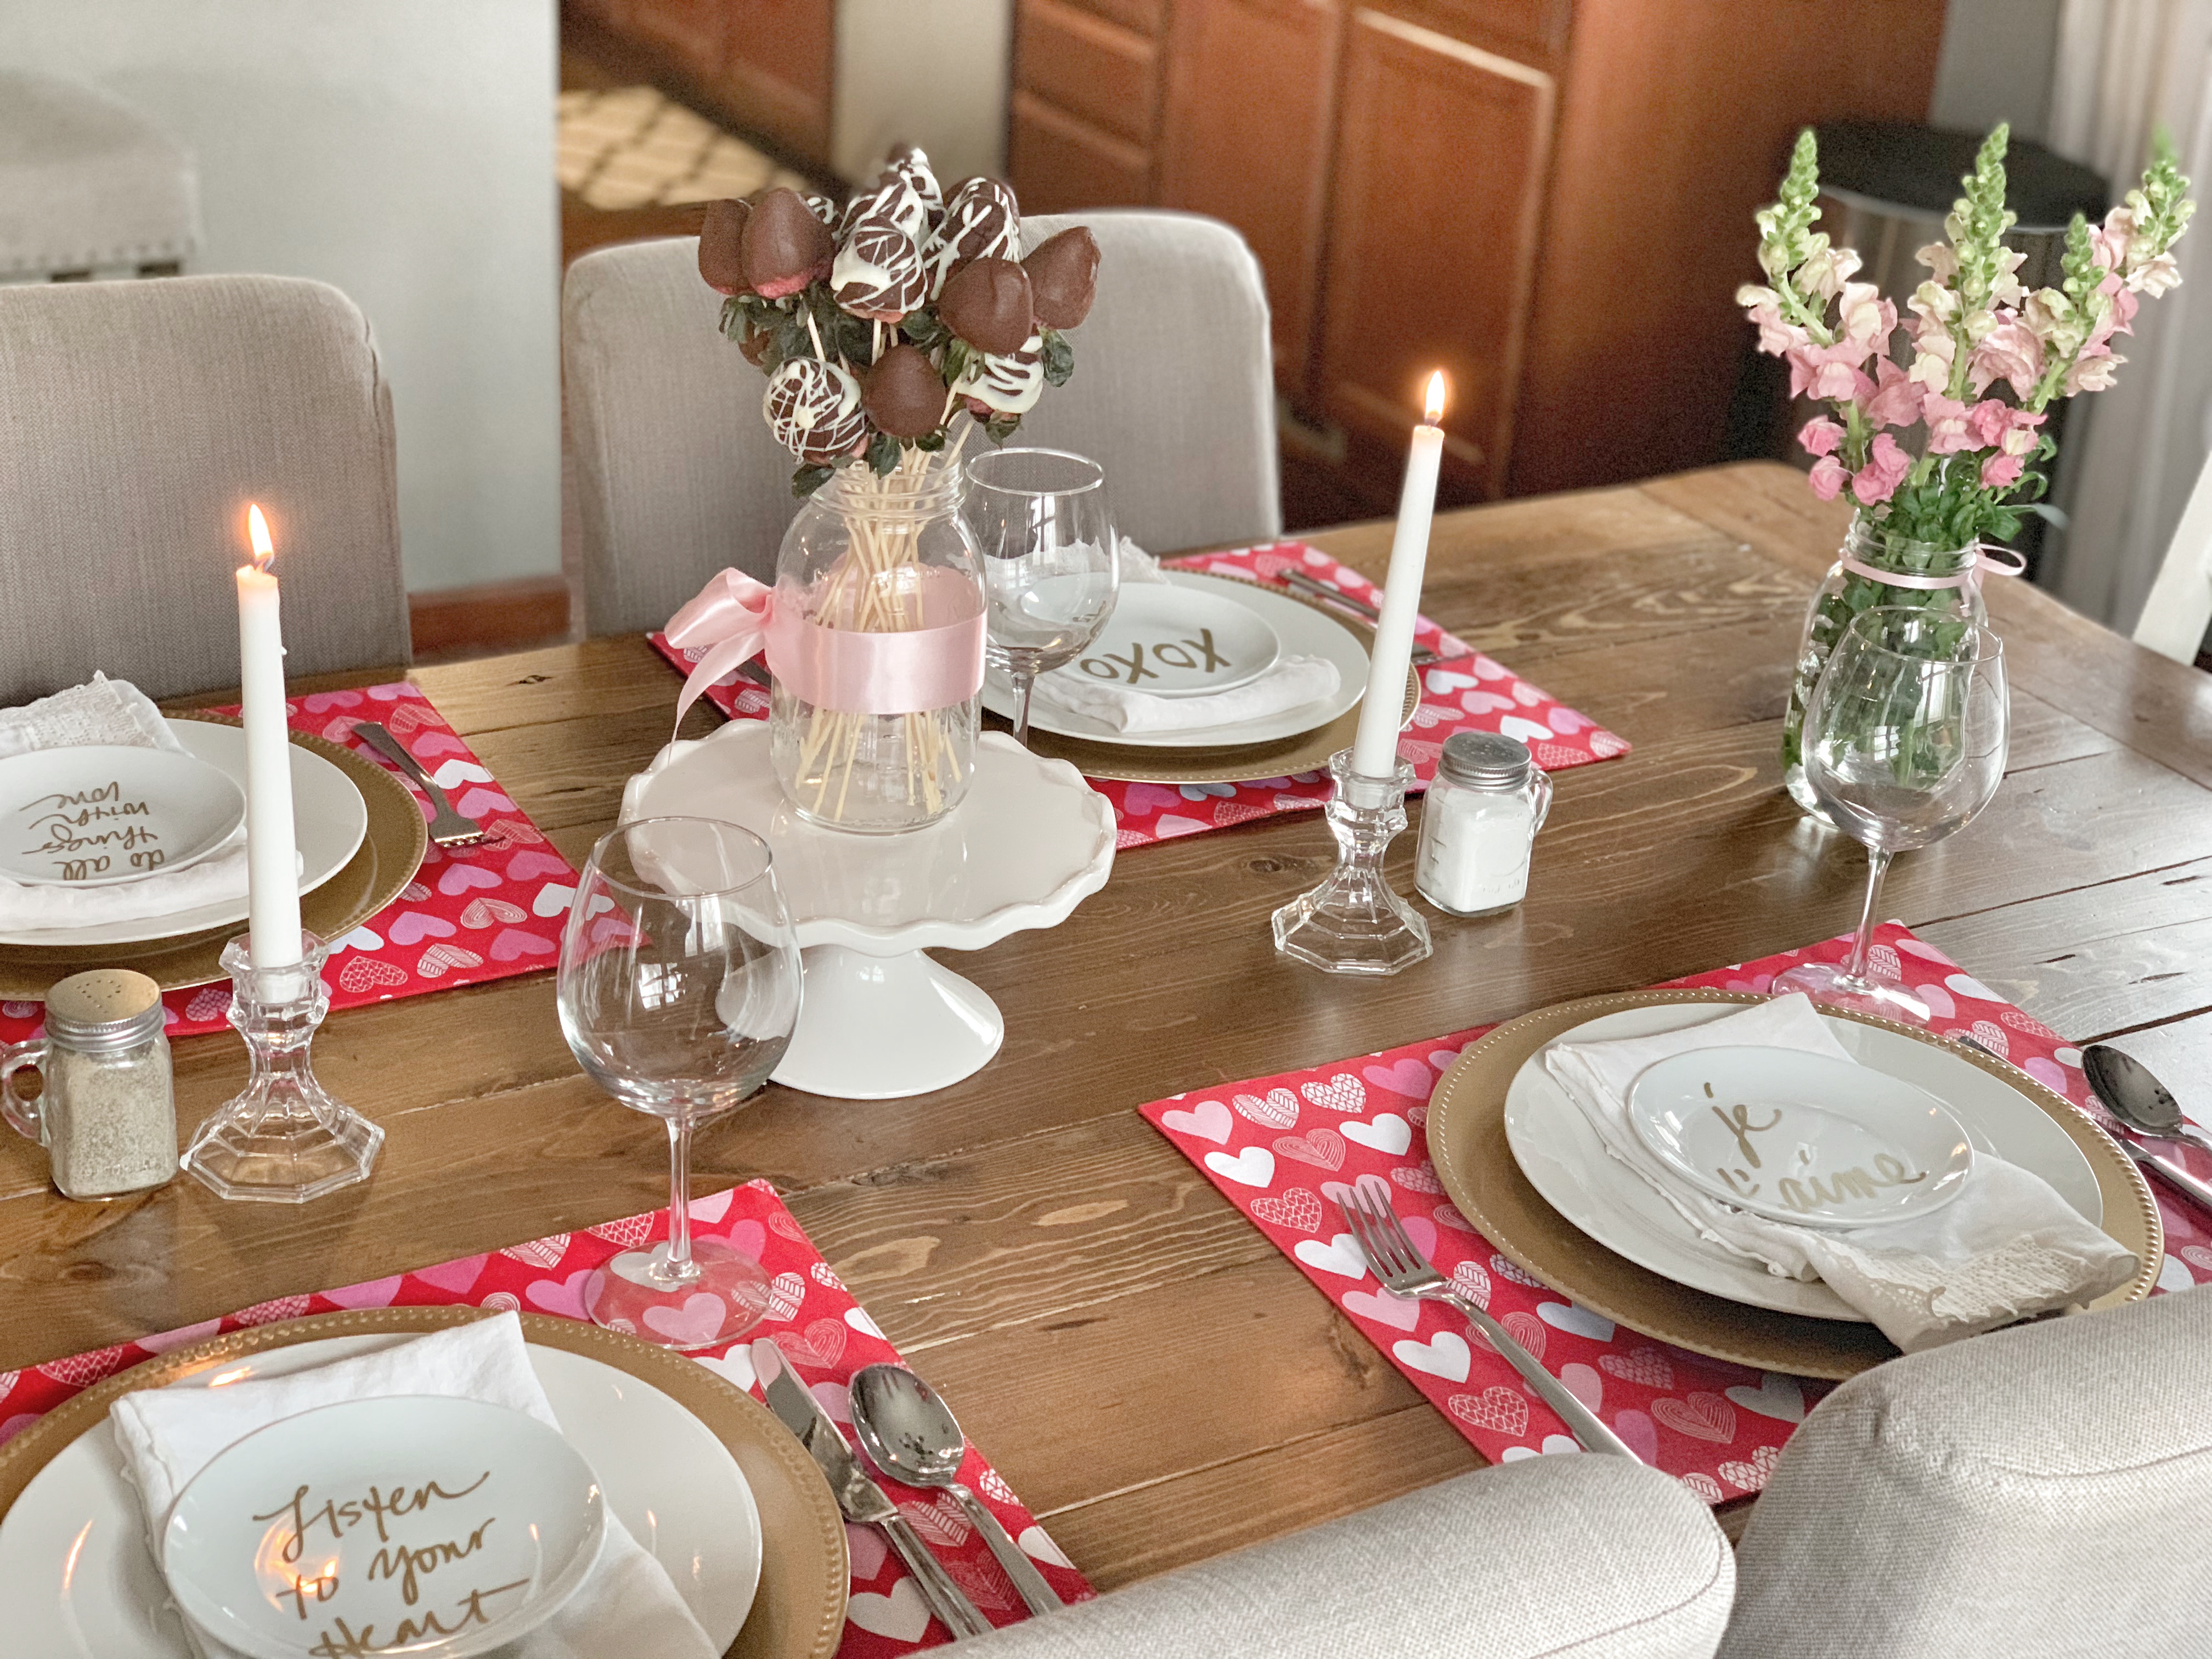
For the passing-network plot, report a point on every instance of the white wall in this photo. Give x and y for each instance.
(401, 151)
(1995, 66)
(926, 72)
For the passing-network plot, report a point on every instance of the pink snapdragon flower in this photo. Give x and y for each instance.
(2010, 352)
(1830, 373)
(1947, 431)
(1886, 465)
(1865, 317)
(2092, 370)
(1828, 477)
(1821, 437)
(1896, 400)
(1997, 425)
(2001, 471)
(1775, 335)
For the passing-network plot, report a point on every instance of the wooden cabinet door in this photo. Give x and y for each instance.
(775, 71)
(692, 29)
(1058, 163)
(1440, 159)
(1245, 137)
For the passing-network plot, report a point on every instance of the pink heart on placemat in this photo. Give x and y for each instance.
(868, 1549)
(1648, 1366)
(364, 974)
(786, 1292)
(1143, 797)
(563, 1296)
(484, 912)
(375, 1293)
(692, 1324)
(440, 959)
(1417, 1178)
(1323, 1148)
(1702, 1417)
(1279, 1110)
(458, 878)
(208, 1002)
(338, 730)
(438, 742)
(1407, 1077)
(162, 1341)
(513, 943)
(1209, 1120)
(321, 701)
(476, 802)
(413, 927)
(527, 864)
(834, 1398)
(454, 1276)
(1296, 1208)
(822, 1345)
(1636, 1433)
(1396, 1311)
(1526, 1329)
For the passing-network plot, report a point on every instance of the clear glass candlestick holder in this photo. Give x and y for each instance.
(284, 1139)
(1354, 923)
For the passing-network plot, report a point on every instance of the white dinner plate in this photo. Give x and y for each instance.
(93, 815)
(423, 1524)
(331, 818)
(1173, 641)
(1564, 1161)
(78, 1581)
(1799, 1138)
(1301, 629)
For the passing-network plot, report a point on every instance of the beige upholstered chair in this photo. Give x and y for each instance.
(676, 476)
(137, 420)
(89, 187)
(1568, 1558)
(2034, 1492)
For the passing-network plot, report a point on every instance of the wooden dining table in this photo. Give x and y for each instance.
(1144, 1367)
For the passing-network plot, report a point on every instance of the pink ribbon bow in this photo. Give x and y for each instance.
(730, 617)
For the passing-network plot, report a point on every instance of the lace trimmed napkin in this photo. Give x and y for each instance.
(2008, 1247)
(1293, 681)
(105, 711)
(627, 1605)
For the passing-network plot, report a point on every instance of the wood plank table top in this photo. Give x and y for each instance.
(1034, 1248)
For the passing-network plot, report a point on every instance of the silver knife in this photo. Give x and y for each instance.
(860, 1499)
(1315, 589)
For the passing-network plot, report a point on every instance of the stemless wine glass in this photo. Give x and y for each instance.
(1040, 520)
(1905, 734)
(680, 988)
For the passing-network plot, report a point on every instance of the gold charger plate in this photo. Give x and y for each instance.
(798, 1611)
(1307, 751)
(1467, 1141)
(386, 860)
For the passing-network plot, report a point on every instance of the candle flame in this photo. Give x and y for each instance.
(258, 528)
(1439, 388)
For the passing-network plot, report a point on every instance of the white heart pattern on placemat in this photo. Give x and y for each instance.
(1776, 1396)
(1279, 1110)
(1341, 1255)
(1209, 1120)
(1253, 1167)
(1446, 1355)
(1497, 1408)
(785, 1293)
(1341, 1093)
(1295, 1207)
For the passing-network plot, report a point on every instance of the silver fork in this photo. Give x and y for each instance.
(448, 829)
(1406, 1271)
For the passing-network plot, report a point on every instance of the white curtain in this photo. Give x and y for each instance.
(2124, 68)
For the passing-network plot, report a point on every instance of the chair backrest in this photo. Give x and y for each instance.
(137, 420)
(2034, 1492)
(2179, 609)
(89, 184)
(676, 476)
(1575, 1558)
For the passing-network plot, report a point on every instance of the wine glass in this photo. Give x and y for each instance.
(679, 989)
(1040, 520)
(1905, 734)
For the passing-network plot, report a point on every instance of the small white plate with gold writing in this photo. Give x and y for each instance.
(424, 1525)
(1172, 640)
(1801, 1137)
(96, 814)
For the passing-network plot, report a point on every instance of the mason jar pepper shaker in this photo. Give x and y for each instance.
(1478, 823)
(107, 1115)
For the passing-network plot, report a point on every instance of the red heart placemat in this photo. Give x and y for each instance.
(1467, 692)
(825, 1334)
(482, 913)
(1274, 1147)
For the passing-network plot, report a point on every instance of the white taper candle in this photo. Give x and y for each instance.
(272, 861)
(1375, 748)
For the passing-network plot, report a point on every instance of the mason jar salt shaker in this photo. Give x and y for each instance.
(106, 1116)
(1478, 821)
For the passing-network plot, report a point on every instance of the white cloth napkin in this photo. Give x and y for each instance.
(1291, 681)
(105, 711)
(2007, 1247)
(628, 1607)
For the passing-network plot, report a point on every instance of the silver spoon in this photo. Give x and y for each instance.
(2138, 1099)
(912, 1436)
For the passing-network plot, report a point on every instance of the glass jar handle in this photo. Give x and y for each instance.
(23, 1115)
(1540, 797)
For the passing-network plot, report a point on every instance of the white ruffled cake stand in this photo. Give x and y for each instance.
(879, 1020)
